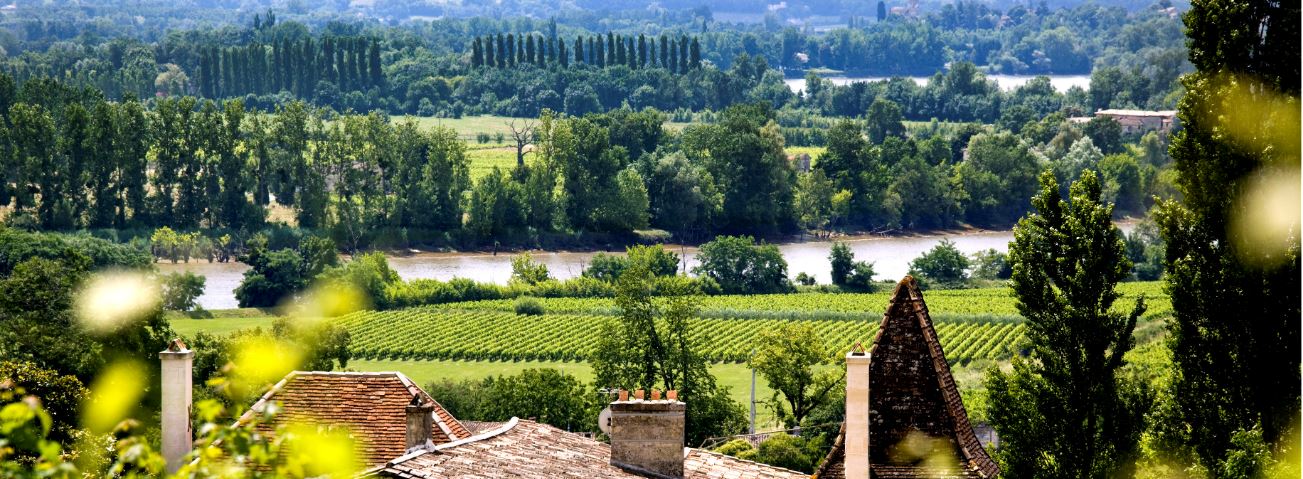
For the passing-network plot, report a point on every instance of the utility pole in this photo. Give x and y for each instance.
(753, 395)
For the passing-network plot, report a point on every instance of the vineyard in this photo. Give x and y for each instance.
(973, 324)
(941, 303)
(428, 334)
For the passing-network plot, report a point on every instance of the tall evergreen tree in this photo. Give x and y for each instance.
(683, 54)
(1065, 410)
(501, 52)
(665, 51)
(132, 148)
(695, 61)
(373, 64)
(621, 57)
(529, 50)
(477, 54)
(563, 54)
(103, 172)
(611, 59)
(1235, 296)
(579, 50)
(511, 49)
(642, 51)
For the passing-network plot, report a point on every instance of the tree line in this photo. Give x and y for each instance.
(73, 161)
(676, 54)
(348, 63)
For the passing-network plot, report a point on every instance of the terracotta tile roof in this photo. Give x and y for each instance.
(371, 405)
(523, 448)
(912, 391)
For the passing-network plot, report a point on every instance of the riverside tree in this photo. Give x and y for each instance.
(1065, 411)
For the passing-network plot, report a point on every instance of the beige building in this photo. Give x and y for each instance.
(1137, 121)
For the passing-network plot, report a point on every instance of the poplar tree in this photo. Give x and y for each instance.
(477, 54)
(373, 64)
(696, 54)
(1065, 411)
(642, 50)
(529, 50)
(1234, 333)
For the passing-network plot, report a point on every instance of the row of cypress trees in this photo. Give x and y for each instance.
(351, 63)
(675, 54)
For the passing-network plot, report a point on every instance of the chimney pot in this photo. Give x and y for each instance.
(672, 394)
(638, 394)
(656, 395)
(420, 423)
(624, 394)
(647, 437)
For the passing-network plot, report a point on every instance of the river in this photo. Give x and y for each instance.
(890, 257)
(1060, 83)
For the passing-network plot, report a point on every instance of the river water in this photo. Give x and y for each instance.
(890, 256)
(1061, 83)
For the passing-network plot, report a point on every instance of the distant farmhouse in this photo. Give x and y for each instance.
(900, 391)
(1137, 121)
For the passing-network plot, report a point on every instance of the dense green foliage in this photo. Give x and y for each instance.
(786, 358)
(548, 396)
(943, 266)
(651, 346)
(180, 290)
(1065, 410)
(1235, 290)
(738, 265)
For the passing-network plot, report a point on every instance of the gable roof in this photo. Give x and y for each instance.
(522, 448)
(373, 406)
(912, 392)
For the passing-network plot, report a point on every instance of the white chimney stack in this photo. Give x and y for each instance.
(177, 371)
(857, 413)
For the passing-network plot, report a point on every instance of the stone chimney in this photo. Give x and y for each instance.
(857, 413)
(177, 374)
(420, 422)
(647, 435)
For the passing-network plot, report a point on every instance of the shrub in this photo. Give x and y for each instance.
(942, 266)
(804, 279)
(180, 290)
(734, 447)
(861, 277)
(527, 306)
(842, 260)
(742, 267)
(525, 270)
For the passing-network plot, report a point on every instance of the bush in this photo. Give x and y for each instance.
(991, 264)
(742, 267)
(942, 266)
(180, 290)
(527, 306)
(861, 277)
(525, 270)
(787, 451)
(804, 279)
(842, 260)
(734, 447)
